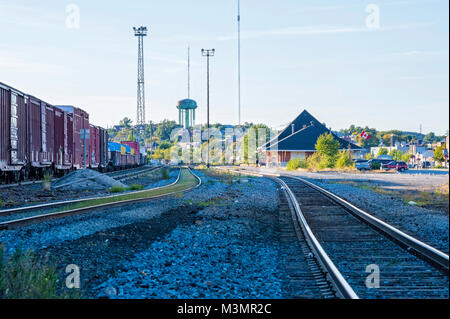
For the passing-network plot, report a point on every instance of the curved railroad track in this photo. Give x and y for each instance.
(186, 181)
(119, 175)
(359, 245)
(122, 177)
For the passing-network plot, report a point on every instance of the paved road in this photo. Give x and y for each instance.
(409, 180)
(426, 171)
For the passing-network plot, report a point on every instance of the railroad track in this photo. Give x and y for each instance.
(119, 175)
(186, 181)
(352, 246)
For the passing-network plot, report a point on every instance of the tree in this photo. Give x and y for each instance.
(406, 157)
(396, 154)
(328, 149)
(126, 122)
(382, 151)
(164, 129)
(439, 154)
(429, 138)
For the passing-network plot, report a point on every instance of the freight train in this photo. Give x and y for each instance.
(37, 138)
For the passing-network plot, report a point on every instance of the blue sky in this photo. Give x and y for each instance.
(318, 55)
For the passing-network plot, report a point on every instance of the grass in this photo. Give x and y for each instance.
(438, 197)
(136, 187)
(187, 180)
(22, 276)
(117, 189)
(212, 202)
(226, 177)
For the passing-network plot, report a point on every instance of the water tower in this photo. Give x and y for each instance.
(186, 108)
(186, 112)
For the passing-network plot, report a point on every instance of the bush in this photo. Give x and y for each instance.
(375, 165)
(344, 160)
(296, 163)
(314, 161)
(117, 189)
(136, 187)
(369, 156)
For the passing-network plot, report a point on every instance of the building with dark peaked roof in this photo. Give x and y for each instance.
(298, 140)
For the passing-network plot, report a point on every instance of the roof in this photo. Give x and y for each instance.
(307, 130)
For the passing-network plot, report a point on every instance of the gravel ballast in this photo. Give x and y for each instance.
(218, 241)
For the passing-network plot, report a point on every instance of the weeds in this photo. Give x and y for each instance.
(136, 187)
(117, 189)
(23, 277)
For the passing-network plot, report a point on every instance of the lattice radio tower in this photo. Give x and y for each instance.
(140, 32)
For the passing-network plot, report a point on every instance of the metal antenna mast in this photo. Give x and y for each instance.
(189, 72)
(140, 32)
(239, 60)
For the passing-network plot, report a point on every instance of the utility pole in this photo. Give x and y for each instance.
(140, 33)
(239, 61)
(207, 53)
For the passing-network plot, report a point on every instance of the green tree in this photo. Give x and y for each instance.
(429, 138)
(406, 157)
(382, 151)
(439, 153)
(126, 122)
(328, 149)
(164, 129)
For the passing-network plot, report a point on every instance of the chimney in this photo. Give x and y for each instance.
(293, 125)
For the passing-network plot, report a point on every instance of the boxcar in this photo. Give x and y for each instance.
(13, 132)
(80, 121)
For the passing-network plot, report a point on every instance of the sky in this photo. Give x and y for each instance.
(384, 64)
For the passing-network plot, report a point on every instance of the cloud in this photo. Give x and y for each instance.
(10, 61)
(295, 32)
(30, 16)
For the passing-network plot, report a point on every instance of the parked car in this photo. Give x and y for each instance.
(362, 165)
(399, 166)
(426, 165)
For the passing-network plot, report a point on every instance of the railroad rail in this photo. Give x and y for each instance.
(120, 174)
(98, 203)
(63, 203)
(356, 241)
